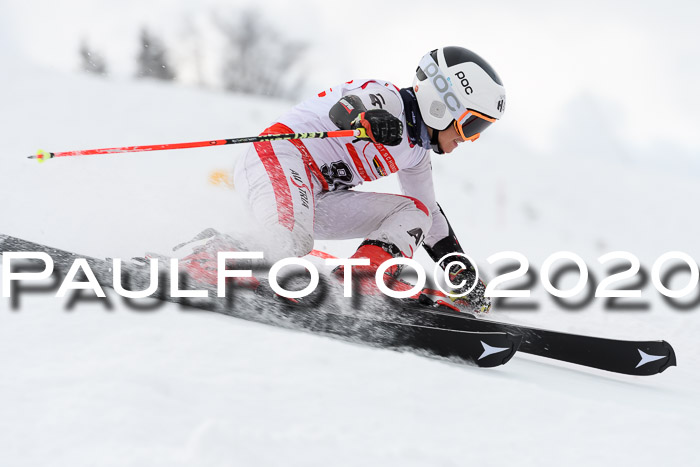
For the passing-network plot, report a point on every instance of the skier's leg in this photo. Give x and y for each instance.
(392, 225)
(279, 189)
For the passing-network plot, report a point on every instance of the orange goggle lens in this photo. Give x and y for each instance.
(471, 124)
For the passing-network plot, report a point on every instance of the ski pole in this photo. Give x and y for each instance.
(43, 156)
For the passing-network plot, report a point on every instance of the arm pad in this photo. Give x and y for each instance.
(345, 111)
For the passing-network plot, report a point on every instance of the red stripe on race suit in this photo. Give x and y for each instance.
(279, 128)
(322, 254)
(283, 197)
(388, 158)
(358, 163)
(419, 204)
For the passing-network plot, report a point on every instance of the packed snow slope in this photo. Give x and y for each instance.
(87, 384)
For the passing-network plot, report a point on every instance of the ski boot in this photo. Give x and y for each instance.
(364, 276)
(474, 301)
(202, 263)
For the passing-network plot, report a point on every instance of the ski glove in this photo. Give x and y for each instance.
(381, 127)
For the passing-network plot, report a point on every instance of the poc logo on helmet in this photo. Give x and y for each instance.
(464, 82)
(442, 86)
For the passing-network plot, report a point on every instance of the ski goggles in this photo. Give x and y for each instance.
(471, 124)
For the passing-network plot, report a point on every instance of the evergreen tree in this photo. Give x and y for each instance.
(152, 58)
(91, 61)
(258, 59)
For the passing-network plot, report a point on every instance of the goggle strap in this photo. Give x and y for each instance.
(434, 143)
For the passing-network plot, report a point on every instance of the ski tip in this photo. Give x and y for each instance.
(671, 357)
(516, 340)
(499, 350)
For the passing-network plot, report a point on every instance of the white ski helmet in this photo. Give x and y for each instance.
(455, 84)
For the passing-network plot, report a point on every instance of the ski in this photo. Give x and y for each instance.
(482, 348)
(423, 325)
(640, 358)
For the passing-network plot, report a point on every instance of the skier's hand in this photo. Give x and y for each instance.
(474, 300)
(381, 127)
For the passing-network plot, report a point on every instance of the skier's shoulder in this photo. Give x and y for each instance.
(379, 87)
(376, 94)
(360, 87)
(372, 83)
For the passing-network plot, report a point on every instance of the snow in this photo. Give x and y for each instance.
(89, 385)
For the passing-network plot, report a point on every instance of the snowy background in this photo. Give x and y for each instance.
(598, 152)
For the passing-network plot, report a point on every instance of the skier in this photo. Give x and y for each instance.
(302, 190)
